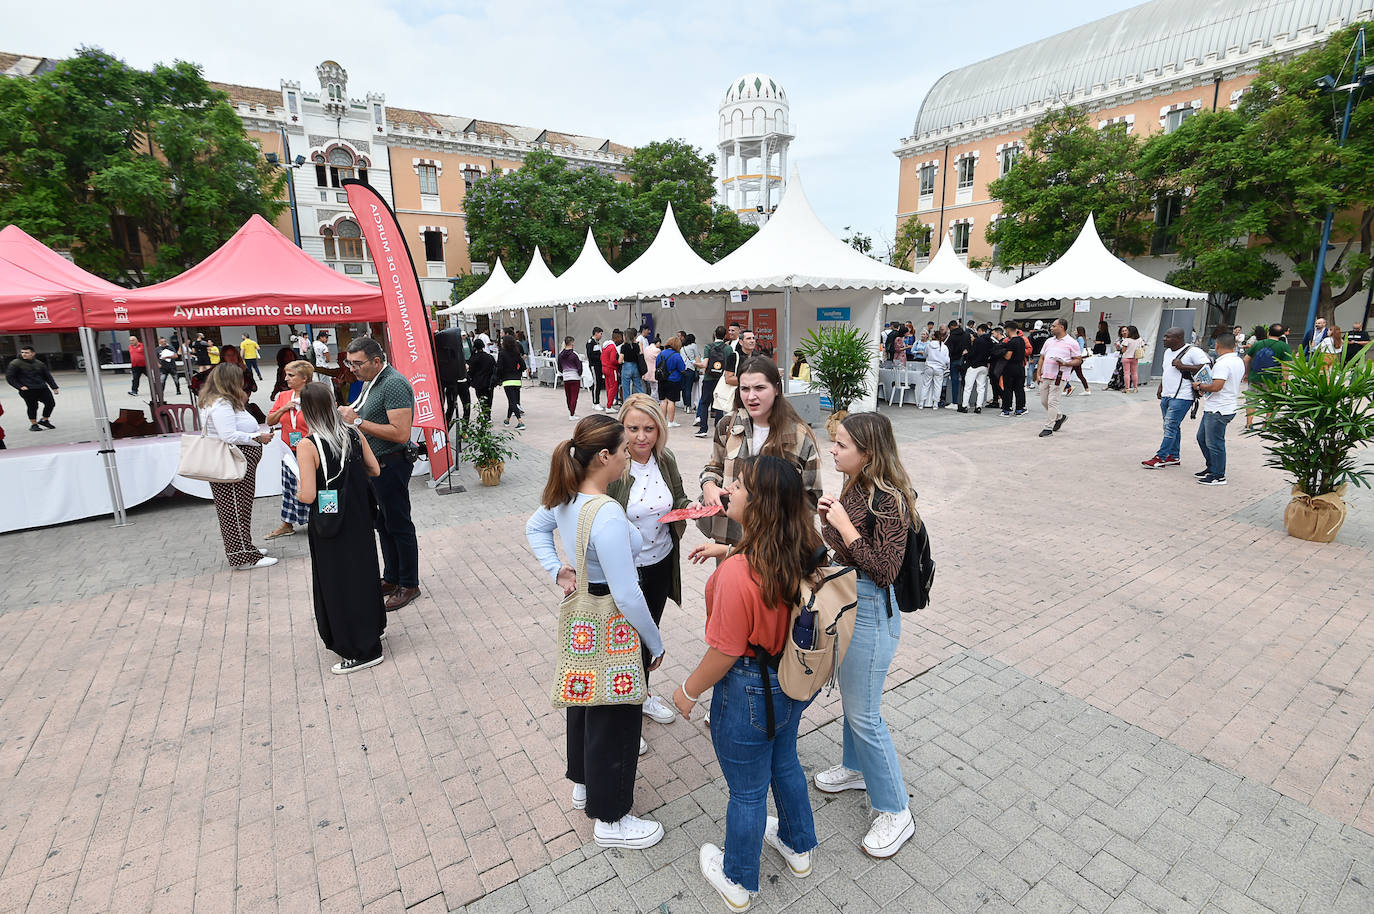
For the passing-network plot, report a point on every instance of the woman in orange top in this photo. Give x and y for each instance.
(286, 413)
(748, 606)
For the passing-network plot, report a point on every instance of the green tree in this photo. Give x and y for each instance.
(912, 241)
(97, 151)
(859, 241)
(1069, 170)
(464, 285)
(674, 171)
(1260, 180)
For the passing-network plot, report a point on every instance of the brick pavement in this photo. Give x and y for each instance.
(170, 736)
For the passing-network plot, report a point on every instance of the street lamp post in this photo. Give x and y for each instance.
(290, 166)
(1358, 80)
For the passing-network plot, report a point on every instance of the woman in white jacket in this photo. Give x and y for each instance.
(222, 402)
(937, 368)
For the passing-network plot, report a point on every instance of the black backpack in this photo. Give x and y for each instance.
(917, 576)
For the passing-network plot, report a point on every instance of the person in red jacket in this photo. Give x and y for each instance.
(138, 361)
(610, 366)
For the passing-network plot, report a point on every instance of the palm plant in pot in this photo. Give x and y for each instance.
(1315, 421)
(485, 446)
(841, 360)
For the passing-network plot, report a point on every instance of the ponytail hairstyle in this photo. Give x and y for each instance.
(872, 434)
(780, 537)
(568, 465)
(317, 406)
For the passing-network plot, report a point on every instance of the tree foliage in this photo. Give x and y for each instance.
(97, 145)
(912, 241)
(551, 203)
(1069, 169)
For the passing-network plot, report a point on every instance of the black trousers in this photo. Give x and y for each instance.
(1014, 386)
(655, 580)
(512, 401)
(139, 371)
(603, 753)
(598, 382)
(395, 529)
(33, 397)
(455, 393)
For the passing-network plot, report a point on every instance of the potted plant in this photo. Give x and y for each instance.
(841, 360)
(1314, 421)
(487, 448)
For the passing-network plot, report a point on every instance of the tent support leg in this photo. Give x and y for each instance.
(102, 426)
(785, 351)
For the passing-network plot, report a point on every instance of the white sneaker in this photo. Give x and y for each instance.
(579, 796)
(675, 425)
(839, 779)
(598, 407)
(1087, 392)
(630, 831)
(889, 832)
(573, 418)
(658, 709)
(643, 745)
(712, 860)
(266, 561)
(799, 864)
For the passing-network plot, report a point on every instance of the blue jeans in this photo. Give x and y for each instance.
(630, 382)
(708, 391)
(751, 762)
(1173, 409)
(1030, 369)
(867, 743)
(956, 376)
(1211, 437)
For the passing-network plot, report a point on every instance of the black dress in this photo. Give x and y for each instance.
(345, 577)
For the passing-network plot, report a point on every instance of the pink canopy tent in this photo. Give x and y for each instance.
(30, 303)
(257, 277)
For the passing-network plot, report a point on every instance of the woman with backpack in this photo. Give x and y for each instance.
(604, 741)
(749, 601)
(335, 462)
(866, 527)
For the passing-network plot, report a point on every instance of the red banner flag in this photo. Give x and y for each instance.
(407, 316)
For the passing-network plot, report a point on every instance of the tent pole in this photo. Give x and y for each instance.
(1130, 314)
(963, 309)
(786, 327)
(102, 425)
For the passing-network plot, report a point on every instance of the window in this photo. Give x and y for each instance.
(959, 233)
(330, 250)
(965, 168)
(291, 103)
(377, 114)
(1167, 211)
(434, 246)
(1008, 157)
(1174, 119)
(321, 176)
(350, 241)
(470, 174)
(927, 179)
(125, 232)
(341, 165)
(429, 179)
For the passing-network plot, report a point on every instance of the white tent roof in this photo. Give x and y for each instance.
(795, 249)
(946, 267)
(590, 278)
(497, 283)
(537, 287)
(1089, 270)
(667, 261)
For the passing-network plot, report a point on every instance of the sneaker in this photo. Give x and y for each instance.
(659, 710)
(712, 860)
(1212, 481)
(1154, 463)
(34, 427)
(675, 425)
(889, 832)
(351, 666)
(573, 418)
(1086, 391)
(1068, 390)
(631, 831)
(1046, 432)
(951, 406)
(977, 410)
(262, 551)
(702, 435)
(964, 409)
(1006, 414)
(839, 779)
(519, 426)
(46, 423)
(601, 409)
(579, 796)
(643, 745)
(1019, 412)
(1170, 462)
(799, 864)
(507, 422)
(1059, 423)
(1201, 474)
(266, 561)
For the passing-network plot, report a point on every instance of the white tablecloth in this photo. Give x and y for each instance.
(1098, 368)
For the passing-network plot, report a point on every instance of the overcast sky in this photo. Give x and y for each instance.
(855, 72)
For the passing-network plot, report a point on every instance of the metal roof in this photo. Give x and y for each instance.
(1128, 45)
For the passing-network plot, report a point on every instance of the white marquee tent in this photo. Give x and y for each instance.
(946, 267)
(496, 285)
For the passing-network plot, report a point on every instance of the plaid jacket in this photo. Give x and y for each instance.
(731, 444)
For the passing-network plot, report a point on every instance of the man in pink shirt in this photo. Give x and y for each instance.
(1058, 358)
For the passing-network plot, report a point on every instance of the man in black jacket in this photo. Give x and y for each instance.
(977, 360)
(482, 373)
(1010, 357)
(957, 342)
(594, 361)
(29, 375)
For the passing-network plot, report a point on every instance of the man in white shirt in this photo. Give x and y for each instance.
(1175, 394)
(1221, 399)
(322, 348)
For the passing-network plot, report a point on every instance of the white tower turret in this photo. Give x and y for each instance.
(755, 131)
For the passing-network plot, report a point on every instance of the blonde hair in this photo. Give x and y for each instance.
(301, 368)
(872, 434)
(224, 382)
(649, 407)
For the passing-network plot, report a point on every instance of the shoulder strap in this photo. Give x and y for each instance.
(585, 518)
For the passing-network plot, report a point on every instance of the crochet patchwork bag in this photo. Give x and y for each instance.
(599, 658)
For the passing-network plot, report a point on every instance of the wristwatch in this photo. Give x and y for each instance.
(357, 421)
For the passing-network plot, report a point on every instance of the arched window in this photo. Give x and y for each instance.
(760, 122)
(330, 251)
(350, 241)
(341, 165)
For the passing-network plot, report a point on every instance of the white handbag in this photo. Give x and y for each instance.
(210, 459)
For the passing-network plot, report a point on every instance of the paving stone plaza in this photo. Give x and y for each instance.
(1131, 693)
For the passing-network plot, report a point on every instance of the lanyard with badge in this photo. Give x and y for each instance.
(292, 416)
(328, 498)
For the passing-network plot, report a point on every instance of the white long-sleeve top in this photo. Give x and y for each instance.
(233, 426)
(937, 355)
(610, 558)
